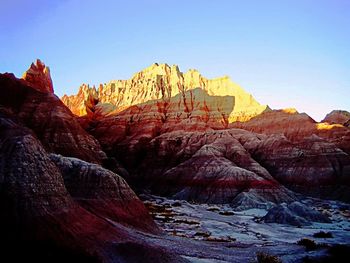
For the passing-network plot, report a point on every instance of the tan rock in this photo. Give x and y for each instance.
(160, 82)
(38, 77)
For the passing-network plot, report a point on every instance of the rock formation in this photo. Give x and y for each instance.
(50, 119)
(338, 117)
(160, 83)
(160, 106)
(169, 133)
(103, 192)
(59, 209)
(38, 77)
(296, 214)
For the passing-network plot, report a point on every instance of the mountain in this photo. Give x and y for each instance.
(162, 83)
(183, 136)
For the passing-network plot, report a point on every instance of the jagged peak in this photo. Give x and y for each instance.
(160, 81)
(38, 77)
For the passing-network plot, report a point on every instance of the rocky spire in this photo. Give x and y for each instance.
(38, 77)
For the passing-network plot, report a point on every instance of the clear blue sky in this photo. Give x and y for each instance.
(286, 53)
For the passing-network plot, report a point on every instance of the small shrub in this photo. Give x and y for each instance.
(186, 221)
(226, 213)
(202, 234)
(307, 243)
(263, 257)
(323, 234)
(213, 209)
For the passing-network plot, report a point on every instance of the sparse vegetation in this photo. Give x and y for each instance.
(186, 221)
(213, 209)
(202, 234)
(220, 239)
(226, 213)
(263, 257)
(307, 243)
(323, 234)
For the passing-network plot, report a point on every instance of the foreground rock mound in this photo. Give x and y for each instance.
(103, 192)
(295, 214)
(59, 209)
(41, 221)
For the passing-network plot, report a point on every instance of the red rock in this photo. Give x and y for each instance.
(44, 223)
(296, 127)
(104, 193)
(38, 77)
(338, 117)
(50, 119)
(129, 133)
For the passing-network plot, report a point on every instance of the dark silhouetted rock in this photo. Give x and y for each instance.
(103, 192)
(40, 221)
(51, 121)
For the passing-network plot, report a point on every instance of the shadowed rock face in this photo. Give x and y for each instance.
(50, 119)
(103, 192)
(209, 167)
(42, 222)
(190, 161)
(56, 208)
(29, 180)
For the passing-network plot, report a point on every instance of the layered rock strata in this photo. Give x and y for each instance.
(160, 83)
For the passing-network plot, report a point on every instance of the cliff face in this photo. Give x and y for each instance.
(161, 83)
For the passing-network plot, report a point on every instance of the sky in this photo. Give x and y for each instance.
(286, 53)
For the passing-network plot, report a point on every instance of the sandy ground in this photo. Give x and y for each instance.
(216, 233)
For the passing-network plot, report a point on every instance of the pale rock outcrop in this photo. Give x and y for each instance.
(161, 82)
(296, 214)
